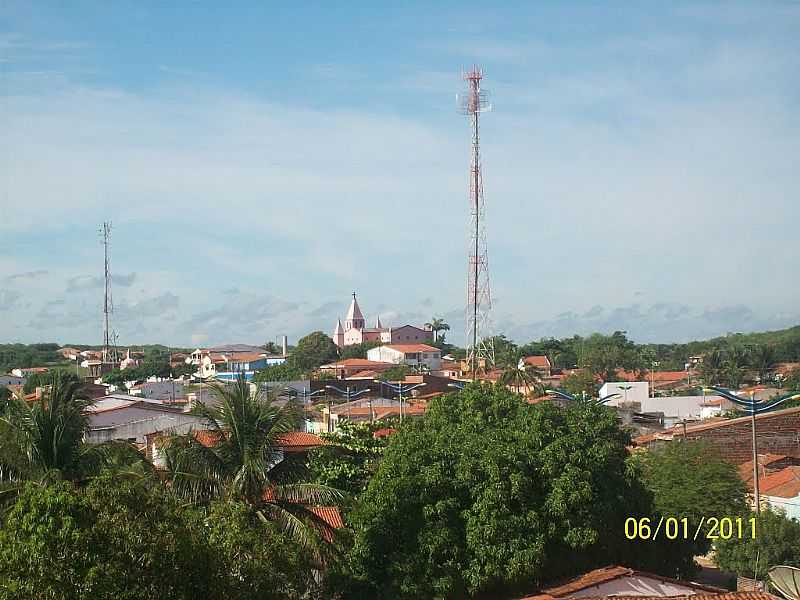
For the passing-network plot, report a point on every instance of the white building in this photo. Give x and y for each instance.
(123, 417)
(683, 407)
(412, 355)
(629, 391)
(165, 390)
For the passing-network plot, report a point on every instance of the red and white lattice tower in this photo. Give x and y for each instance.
(480, 350)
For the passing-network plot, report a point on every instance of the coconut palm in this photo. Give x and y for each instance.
(241, 458)
(436, 325)
(522, 377)
(712, 369)
(763, 360)
(43, 440)
(736, 361)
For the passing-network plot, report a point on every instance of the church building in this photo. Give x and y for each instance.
(355, 330)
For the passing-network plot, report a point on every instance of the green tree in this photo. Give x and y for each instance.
(580, 383)
(777, 542)
(792, 381)
(350, 457)
(253, 559)
(688, 480)
(762, 358)
(506, 352)
(736, 360)
(50, 432)
(37, 380)
(44, 440)
(488, 495)
(397, 373)
(240, 465)
(282, 372)
(712, 369)
(358, 350)
(113, 539)
(313, 350)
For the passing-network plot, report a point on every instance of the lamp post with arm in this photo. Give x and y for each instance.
(400, 388)
(750, 405)
(348, 394)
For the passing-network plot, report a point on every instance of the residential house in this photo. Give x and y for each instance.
(778, 433)
(614, 581)
(539, 362)
(629, 392)
(781, 491)
(167, 390)
(350, 366)
(412, 355)
(124, 417)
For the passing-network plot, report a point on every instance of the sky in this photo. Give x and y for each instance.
(261, 161)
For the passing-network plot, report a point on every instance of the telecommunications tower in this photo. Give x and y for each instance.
(109, 336)
(480, 351)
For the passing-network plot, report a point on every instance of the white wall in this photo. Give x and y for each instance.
(681, 407)
(638, 392)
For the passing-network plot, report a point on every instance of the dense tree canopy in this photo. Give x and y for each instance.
(350, 457)
(358, 350)
(313, 350)
(688, 480)
(129, 539)
(489, 494)
(777, 542)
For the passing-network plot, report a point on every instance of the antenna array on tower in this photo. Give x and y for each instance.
(480, 351)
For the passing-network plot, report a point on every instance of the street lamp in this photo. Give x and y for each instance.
(306, 394)
(567, 396)
(625, 389)
(400, 388)
(458, 386)
(349, 394)
(754, 408)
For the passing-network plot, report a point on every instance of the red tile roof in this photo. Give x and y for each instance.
(720, 596)
(784, 483)
(298, 441)
(537, 361)
(293, 441)
(764, 460)
(713, 423)
(604, 575)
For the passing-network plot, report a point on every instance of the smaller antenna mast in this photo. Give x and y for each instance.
(109, 336)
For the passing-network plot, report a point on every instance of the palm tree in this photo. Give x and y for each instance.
(763, 360)
(736, 359)
(436, 325)
(525, 377)
(241, 462)
(713, 367)
(44, 439)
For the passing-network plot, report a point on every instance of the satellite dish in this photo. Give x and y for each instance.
(786, 580)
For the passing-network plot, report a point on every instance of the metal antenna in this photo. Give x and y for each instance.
(479, 297)
(109, 336)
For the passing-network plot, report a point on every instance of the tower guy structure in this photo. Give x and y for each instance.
(109, 337)
(480, 351)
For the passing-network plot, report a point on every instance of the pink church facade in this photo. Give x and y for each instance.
(355, 330)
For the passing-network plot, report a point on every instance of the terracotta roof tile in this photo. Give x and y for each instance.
(537, 361)
(784, 483)
(606, 574)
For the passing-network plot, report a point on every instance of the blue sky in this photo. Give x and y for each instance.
(262, 161)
